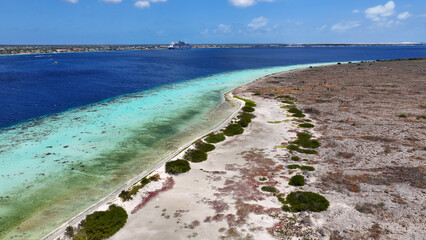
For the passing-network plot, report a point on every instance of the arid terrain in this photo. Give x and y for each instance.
(372, 120)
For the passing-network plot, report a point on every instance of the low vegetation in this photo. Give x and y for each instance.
(402, 116)
(306, 125)
(305, 201)
(263, 179)
(205, 147)
(295, 158)
(303, 168)
(248, 109)
(215, 138)
(195, 155)
(127, 195)
(177, 167)
(304, 140)
(101, 224)
(245, 118)
(296, 112)
(233, 129)
(297, 180)
(269, 189)
(293, 147)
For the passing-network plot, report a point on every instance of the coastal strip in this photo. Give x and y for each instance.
(307, 138)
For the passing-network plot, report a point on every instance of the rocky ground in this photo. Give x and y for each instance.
(371, 117)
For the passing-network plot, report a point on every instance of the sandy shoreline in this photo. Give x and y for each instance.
(221, 198)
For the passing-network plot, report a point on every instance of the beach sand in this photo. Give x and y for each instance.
(370, 164)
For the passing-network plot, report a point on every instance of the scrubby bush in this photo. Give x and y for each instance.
(307, 201)
(263, 179)
(402, 116)
(178, 166)
(103, 224)
(69, 231)
(269, 189)
(307, 168)
(248, 109)
(297, 180)
(205, 147)
(303, 168)
(287, 102)
(293, 166)
(295, 158)
(233, 129)
(296, 148)
(245, 119)
(306, 125)
(304, 140)
(215, 138)
(195, 155)
(127, 195)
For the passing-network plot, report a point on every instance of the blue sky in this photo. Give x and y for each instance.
(211, 21)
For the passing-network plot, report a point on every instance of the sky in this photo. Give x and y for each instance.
(211, 21)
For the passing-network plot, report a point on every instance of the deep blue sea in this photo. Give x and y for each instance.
(33, 85)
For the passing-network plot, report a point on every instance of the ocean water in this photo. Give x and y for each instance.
(110, 116)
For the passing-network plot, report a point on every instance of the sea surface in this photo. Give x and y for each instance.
(75, 127)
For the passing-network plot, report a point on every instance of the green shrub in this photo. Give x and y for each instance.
(263, 179)
(215, 138)
(307, 168)
(248, 109)
(205, 147)
(306, 125)
(249, 103)
(297, 180)
(299, 115)
(304, 168)
(307, 201)
(256, 93)
(127, 195)
(280, 198)
(293, 166)
(69, 231)
(285, 208)
(269, 189)
(178, 166)
(294, 110)
(402, 116)
(287, 102)
(307, 151)
(245, 118)
(295, 158)
(233, 129)
(103, 224)
(195, 155)
(293, 147)
(304, 140)
(296, 148)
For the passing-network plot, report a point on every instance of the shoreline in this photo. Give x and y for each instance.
(59, 232)
(77, 219)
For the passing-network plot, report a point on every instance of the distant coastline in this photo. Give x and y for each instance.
(11, 50)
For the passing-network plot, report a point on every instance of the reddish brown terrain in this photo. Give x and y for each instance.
(371, 166)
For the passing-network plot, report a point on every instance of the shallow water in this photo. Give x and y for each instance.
(59, 165)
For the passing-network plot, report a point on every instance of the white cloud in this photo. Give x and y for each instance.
(345, 25)
(142, 4)
(258, 23)
(322, 27)
(224, 28)
(71, 1)
(112, 1)
(380, 12)
(355, 11)
(247, 3)
(404, 15)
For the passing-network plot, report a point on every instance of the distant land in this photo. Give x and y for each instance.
(42, 49)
